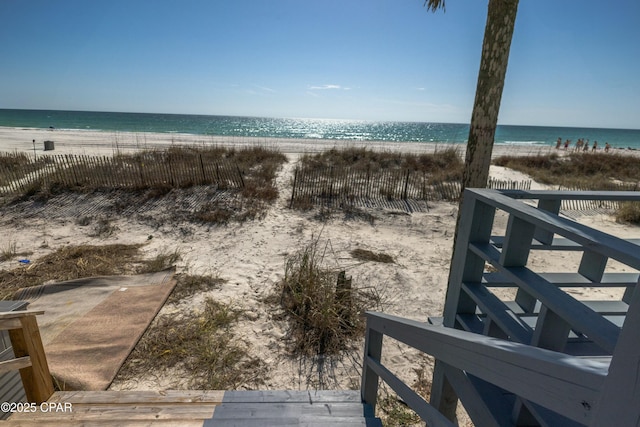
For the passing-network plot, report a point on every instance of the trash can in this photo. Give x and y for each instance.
(48, 145)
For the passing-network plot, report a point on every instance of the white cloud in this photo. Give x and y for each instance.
(325, 87)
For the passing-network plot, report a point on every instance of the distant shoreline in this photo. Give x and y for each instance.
(106, 143)
(94, 142)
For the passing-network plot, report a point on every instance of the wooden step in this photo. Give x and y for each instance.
(197, 408)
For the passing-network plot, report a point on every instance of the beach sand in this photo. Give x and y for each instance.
(251, 256)
(106, 143)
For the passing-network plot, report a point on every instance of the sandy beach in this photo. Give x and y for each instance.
(105, 143)
(251, 256)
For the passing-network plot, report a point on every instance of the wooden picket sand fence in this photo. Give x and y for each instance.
(542, 357)
(348, 185)
(146, 170)
(586, 206)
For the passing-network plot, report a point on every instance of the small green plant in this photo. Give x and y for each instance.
(393, 411)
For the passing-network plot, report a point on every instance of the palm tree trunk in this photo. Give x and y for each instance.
(498, 33)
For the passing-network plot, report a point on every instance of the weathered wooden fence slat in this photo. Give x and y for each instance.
(341, 184)
(119, 172)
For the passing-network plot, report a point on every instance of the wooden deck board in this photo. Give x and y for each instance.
(196, 408)
(302, 396)
(156, 411)
(287, 410)
(142, 397)
(290, 422)
(107, 422)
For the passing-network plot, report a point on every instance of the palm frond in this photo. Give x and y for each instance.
(434, 5)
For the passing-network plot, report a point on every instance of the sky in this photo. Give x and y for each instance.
(572, 62)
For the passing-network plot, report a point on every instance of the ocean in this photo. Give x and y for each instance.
(348, 130)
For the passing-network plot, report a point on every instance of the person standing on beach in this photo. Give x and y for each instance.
(606, 147)
(566, 144)
(586, 146)
(558, 143)
(595, 146)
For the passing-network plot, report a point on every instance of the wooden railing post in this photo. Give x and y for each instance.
(26, 341)
(372, 349)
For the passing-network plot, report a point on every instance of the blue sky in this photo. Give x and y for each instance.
(573, 62)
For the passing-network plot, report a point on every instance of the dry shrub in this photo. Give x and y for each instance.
(17, 165)
(366, 255)
(75, 262)
(628, 212)
(257, 165)
(162, 261)
(239, 210)
(349, 172)
(9, 251)
(101, 228)
(585, 170)
(188, 285)
(365, 159)
(321, 307)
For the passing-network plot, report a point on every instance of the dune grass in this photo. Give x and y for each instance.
(200, 345)
(71, 262)
(584, 170)
(321, 307)
(367, 255)
(246, 176)
(441, 166)
(17, 165)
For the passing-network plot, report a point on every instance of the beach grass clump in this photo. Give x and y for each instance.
(363, 159)
(628, 212)
(201, 345)
(10, 250)
(594, 171)
(154, 173)
(188, 285)
(322, 308)
(242, 180)
(238, 210)
(393, 411)
(367, 255)
(350, 174)
(259, 166)
(163, 260)
(17, 166)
